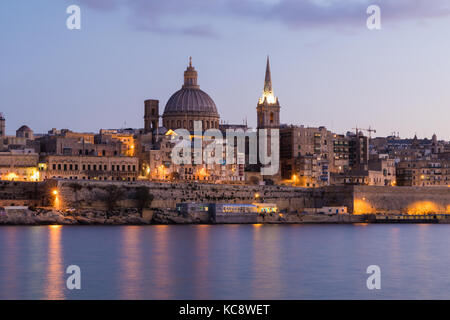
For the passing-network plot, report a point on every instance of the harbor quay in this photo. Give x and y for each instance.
(98, 202)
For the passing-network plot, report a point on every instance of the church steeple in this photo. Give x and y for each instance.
(268, 108)
(190, 77)
(268, 80)
(268, 96)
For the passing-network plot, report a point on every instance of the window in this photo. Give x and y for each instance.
(271, 117)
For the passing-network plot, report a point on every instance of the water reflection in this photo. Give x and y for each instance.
(202, 261)
(223, 262)
(54, 288)
(131, 263)
(9, 277)
(266, 278)
(162, 260)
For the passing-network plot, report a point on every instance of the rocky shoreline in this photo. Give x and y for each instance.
(43, 216)
(133, 216)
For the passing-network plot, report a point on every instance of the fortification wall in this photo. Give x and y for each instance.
(167, 195)
(358, 199)
(17, 193)
(401, 200)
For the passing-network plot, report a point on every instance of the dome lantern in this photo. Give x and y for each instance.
(190, 77)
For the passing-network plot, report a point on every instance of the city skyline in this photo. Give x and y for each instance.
(84, 80)
(196, 151)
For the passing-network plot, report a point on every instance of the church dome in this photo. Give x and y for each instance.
(191, 101)
(24, 128)
(190, 105)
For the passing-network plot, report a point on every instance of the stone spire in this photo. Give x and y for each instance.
(268, 96)
(190, 77)
(268, 80)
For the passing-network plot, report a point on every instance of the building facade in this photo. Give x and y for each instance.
(119, 168)
(424, 173)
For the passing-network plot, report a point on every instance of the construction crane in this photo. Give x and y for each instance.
(370, 130)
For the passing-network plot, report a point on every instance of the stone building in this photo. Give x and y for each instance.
(25, 132)
(23, 141)
(188, 105)
(383, 170)
(358, 151)
(306, 155)
(341, 151)
(19, 166)
(302, 141)
(424, 173)
(362, 178)
(161, 167)
(126, 141)
(409, 149)
(71, 143)
(113, 168)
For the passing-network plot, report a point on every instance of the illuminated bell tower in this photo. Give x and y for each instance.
(268, 113)
(268, 109)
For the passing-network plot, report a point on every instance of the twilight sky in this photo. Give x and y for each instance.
(327, 67)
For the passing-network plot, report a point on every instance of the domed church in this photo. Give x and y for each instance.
(190, 104)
